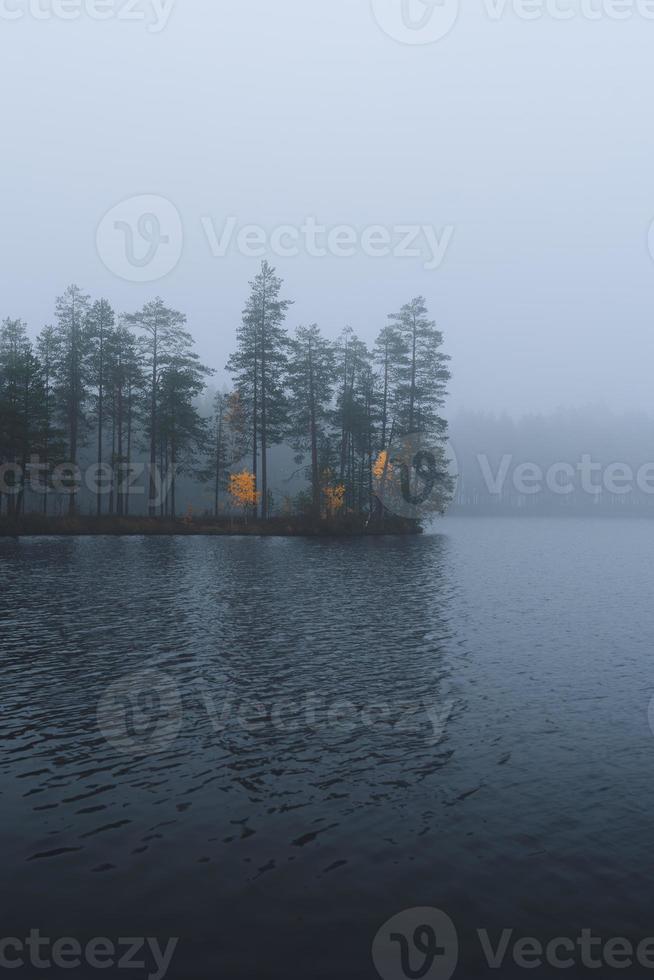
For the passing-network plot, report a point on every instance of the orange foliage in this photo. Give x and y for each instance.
(335, 497)
(243, 489)
(382, 468)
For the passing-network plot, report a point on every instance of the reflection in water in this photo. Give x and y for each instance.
(294, 740)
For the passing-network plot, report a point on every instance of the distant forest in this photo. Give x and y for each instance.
(102, 390)
(588, 460)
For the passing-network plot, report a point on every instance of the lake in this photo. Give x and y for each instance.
(267, 748)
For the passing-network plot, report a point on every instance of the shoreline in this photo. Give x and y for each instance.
(32, 525)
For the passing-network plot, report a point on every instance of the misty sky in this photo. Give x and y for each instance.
(532, 139)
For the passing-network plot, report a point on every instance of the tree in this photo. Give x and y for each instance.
(389, 354)
(19, 380)
(243, 490)
(71, 365)
(161, 328)
(229, 440)
(124, 384)
(353, 416)
(334, 499)
(258, 368)
(311, 382)
(423, 370)
(100, 324)
(423, 374)
(50, 436)
(182, 432)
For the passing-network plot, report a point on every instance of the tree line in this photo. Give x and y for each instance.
(129, 386)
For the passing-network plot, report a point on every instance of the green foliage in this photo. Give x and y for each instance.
(136, 382)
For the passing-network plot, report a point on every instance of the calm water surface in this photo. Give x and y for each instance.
(359, 727)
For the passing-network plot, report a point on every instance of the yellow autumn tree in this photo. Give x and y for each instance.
(382, 469)
(335, 498)
(243, 490)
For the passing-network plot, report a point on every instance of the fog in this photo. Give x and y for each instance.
(521, 149)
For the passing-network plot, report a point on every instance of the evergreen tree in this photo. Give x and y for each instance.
(161, 328)
(50, 442)
(100, 324)
(423, 376)
(124, 385)
(229, 440)
(258, 368)
(352, 414)
(311, 383)
(182, 432)
(423, 370)
(19, 379)
(389, 354)
(71, 365)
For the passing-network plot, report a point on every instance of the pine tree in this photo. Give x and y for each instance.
(100, 324)
(229, 440)
(258, 367)
(161, 328)
(422, 387)
(124, 385)
(311, 382)
(352, 413)
(423, 370)
(389, 354)
(72, 371)
(19, 377)
(50, 441)
(183, 433)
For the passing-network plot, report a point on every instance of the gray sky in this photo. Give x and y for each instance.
(531, 140)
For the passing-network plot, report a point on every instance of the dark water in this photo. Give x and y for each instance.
(315, 736)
